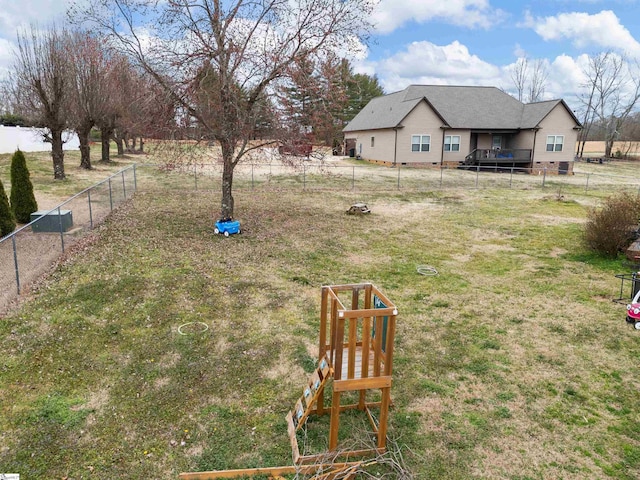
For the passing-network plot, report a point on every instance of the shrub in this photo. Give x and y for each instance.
(7, 221)
(23, 202)
(611, 227)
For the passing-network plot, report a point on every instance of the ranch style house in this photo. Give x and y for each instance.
(465, 127)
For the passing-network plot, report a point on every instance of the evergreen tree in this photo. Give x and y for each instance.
(23, 202)
(361, 88)
(7, 222)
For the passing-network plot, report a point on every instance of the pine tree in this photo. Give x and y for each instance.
(23, 202)
(7, 221)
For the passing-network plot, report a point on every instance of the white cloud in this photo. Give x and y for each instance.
(518, 51)
(19, 14)
(602, 30)
(427, 63)
(564, 77)
(391, 14)
(430, 64)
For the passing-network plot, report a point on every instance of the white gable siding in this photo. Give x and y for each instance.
(558, 122)
(421, 121)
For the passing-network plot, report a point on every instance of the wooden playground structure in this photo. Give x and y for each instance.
(356, 352)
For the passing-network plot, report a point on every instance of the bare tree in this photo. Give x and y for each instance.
(88, 99)
(538, 81)
(40, 85)
(248, 44)
(588, 99)
(613, 83)
(115, 122)
(529, 80)
(519, 75)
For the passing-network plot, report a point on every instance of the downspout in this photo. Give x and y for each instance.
(444, 130)
(395, 146)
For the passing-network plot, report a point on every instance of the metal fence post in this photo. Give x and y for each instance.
(195, 175)
(304, 177)
(90, 209)
(586, 187)
(110, 195)
(398, 167)
(15, 263)
(511, 179)
(353, 178)
(544, 176)
(477, 174)
(124, 187)
(135, 179)
(61, 232)
(441, 170)
(252, 176)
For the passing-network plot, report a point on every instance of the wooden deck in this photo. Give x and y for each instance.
(358, 370)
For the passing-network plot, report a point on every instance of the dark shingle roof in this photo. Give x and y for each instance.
(459, 107)
(383, 112)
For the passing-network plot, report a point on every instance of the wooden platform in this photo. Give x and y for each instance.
(357, 364)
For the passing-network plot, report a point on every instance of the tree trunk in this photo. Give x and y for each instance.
(57, 154)
(106, 134)
(125, 142)
(120, 144)
(85, 150)
(226, 211)
(608, 146)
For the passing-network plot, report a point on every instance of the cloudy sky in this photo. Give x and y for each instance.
(456, 42)
(477, 41)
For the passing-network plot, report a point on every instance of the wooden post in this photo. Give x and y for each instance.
(339, 346)
(335, 421)
(323, 324)
(377, 347)
(391, 333)
(353, 340)
(366, 343)
(322, 350)
(333, 329)
(384, 417)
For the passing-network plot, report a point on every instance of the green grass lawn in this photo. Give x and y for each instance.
(511, 363)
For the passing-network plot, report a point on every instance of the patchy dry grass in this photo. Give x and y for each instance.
(511, 363)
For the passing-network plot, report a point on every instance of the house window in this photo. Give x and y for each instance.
(372, 141)
(420, 143)
(554, 143)
(452, 143)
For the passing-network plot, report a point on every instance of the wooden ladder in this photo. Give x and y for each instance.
(314, 389)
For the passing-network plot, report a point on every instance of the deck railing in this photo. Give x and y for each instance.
(505, 155)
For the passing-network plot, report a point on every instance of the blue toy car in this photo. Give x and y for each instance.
(227, 227)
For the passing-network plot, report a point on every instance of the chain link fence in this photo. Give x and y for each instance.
(31, 250)
(306, 176)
